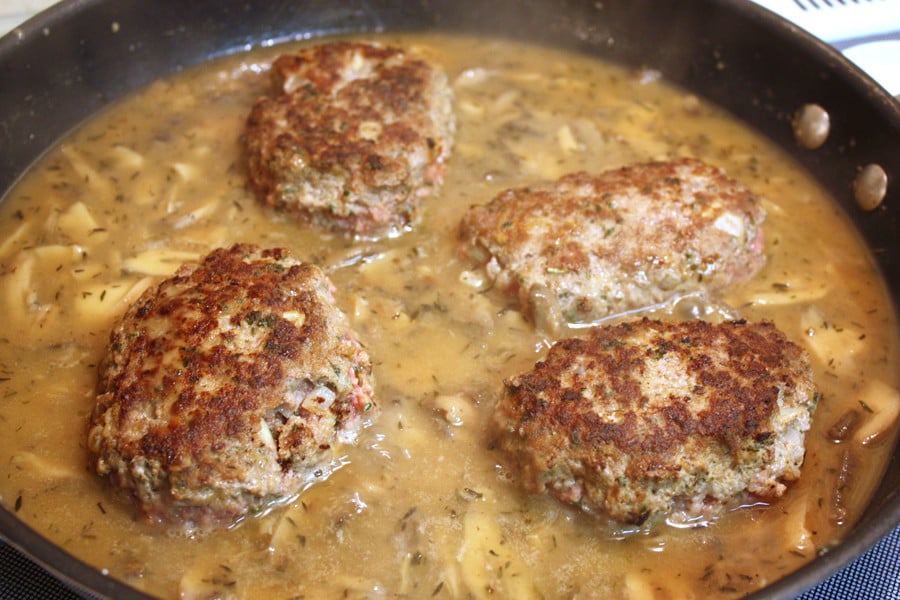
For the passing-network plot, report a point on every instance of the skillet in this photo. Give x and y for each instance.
(72, 60)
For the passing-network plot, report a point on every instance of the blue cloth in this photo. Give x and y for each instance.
(873, 576)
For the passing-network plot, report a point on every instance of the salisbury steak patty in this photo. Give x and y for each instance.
(354, 137)
(228, 387)
(599, 245)
(646, 416)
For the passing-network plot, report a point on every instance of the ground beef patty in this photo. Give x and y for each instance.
(229, 386)
(590, 246)
(355, 136)
(647, 416)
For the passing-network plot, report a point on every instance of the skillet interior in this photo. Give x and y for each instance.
(77, 57)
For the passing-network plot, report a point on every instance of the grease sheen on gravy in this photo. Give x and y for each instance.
(423, 506)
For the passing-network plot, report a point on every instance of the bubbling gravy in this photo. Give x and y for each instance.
(423, 506)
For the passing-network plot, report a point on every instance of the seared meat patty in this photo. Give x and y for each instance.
(355, 136)
(229, 386)
(647, 416)
(590, 246)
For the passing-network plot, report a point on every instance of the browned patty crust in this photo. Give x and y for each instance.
(355, 135)
(599, 245)
(647, 416)
(229, 386)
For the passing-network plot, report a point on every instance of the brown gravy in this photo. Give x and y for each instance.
(423, 507)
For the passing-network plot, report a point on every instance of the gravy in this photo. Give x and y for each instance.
(423, 506)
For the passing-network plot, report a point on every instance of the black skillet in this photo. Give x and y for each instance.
(80, 55)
